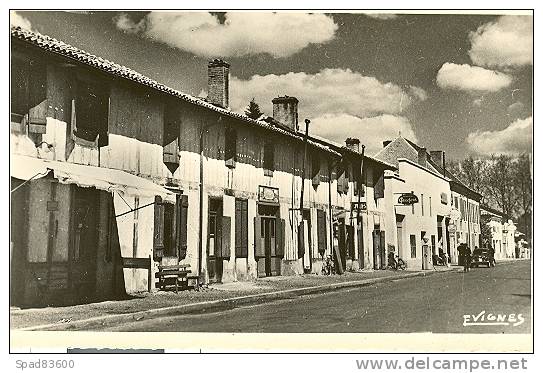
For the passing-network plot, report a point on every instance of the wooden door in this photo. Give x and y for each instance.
(214, 260)
(82, 253)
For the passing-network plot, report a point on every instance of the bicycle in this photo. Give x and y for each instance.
(396, 263)
(328, 267)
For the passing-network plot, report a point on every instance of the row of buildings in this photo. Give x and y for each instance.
(504, 237)
(107, 164)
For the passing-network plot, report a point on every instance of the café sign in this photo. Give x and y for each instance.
(408, 199)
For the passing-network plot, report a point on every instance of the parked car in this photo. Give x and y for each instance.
(482, 257)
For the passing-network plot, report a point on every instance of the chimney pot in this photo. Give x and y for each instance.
(218, 74)
(438, 157)
(285, 110)
(353, 144)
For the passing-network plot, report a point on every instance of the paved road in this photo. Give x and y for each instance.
(435, 303)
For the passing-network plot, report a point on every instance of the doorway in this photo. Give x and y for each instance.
(269, 259)
(399, 235)
(214, 259)
(82, 252)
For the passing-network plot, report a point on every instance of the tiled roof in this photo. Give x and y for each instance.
(52, 45)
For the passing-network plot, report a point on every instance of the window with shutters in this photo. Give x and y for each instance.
(268, 159)
(170, 228)
(413, 243)
(322, 237)
(230, 138)
(91, 108)
(28, 95)
(241, 227)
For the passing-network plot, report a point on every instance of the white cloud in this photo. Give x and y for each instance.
(330, 91)
(507, 42)
(382, 16)
(471, 78)
(371, 131)
(418, 92)
(241, 34)
(516, 138)
(16, 19)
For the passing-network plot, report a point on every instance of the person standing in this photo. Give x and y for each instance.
(467, 258)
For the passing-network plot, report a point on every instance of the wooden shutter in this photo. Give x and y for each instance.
(158, 238)
(37, 95)
(379, 188)
(321, 232)
(183, 224)
(350, 241)
(376, 257)
(170, 155)
(237, 226)
(244, 229)
(241, 228)
(225, 237)
(301, 240)
(279, 237)
(259, 248)
(382, 249)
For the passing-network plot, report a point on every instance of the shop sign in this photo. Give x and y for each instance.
(408, 199)
(268, 194)
(355, 205)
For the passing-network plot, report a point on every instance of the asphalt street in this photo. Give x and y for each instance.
(487, 300)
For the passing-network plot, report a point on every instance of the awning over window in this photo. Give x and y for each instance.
(108, 179)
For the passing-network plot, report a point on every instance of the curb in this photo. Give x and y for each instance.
(215, 305)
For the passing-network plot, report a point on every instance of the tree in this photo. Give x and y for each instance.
(253, 110)
(523, 190)
(500, 184)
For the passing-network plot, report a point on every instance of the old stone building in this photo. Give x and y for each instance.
(109, 165)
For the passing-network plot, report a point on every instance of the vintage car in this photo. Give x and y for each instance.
(482, 257)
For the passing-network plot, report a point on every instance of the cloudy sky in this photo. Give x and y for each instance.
(459, 83)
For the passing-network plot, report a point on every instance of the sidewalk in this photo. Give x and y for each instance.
(222, 296)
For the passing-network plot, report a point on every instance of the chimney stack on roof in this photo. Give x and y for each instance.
(353, 144)
(438, 157)
(285, 110)
(422, 157)
(218, 74)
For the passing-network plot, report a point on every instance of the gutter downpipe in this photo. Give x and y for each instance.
(332, 250)
(358, 213)
(201, 197)
(300, 242)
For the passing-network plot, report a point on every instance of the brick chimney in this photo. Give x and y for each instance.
(438, 157)
(353, 144)
(386, 142)
(285, 110)
(218, 73)
(422, 157)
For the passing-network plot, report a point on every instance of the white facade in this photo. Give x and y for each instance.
(411, 223)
